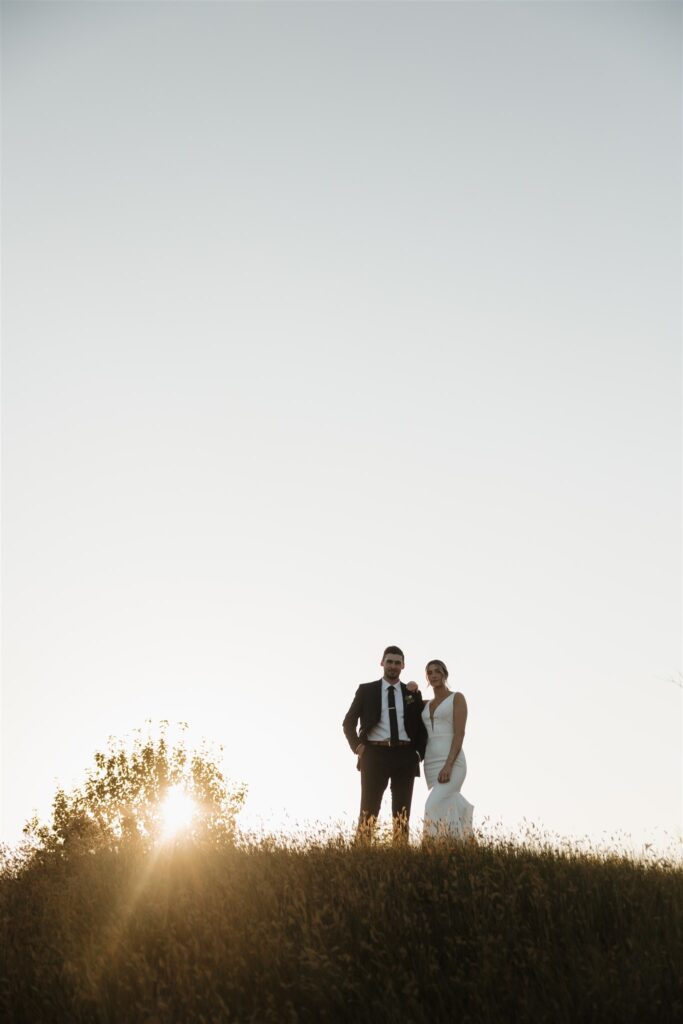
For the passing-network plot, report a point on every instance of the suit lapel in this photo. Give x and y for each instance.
(378, 699)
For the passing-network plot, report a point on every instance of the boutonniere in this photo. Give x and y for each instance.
(410, 697)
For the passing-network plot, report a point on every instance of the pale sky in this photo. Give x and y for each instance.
(328, 326)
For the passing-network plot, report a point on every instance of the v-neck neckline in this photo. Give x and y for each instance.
(432, 710)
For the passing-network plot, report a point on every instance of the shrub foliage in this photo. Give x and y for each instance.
(121, 798)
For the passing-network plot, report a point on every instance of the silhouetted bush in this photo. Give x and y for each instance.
(121, 800)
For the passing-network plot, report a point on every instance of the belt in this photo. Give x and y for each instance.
(389, 743)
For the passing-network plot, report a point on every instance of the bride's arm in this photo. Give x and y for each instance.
(459, 722)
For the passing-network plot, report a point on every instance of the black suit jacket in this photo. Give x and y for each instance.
(367, 708)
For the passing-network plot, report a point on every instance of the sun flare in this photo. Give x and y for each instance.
(177, 811)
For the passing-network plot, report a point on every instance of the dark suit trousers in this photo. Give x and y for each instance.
(380, 766)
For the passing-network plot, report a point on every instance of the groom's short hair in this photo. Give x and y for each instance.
(393, 650)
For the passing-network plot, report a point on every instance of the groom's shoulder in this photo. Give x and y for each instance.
(367, 686)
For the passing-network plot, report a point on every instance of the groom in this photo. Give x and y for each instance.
(390, 745)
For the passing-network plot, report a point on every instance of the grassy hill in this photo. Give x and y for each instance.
(322, 931)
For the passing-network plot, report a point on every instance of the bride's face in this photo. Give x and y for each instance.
(435, 676)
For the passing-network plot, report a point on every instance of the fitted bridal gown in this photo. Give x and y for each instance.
(447, 812)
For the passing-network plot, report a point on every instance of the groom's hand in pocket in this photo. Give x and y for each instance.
(360, 749)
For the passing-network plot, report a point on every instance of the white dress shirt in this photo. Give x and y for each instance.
(382, 730)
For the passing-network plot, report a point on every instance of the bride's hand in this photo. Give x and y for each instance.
(412, 686)
(445, 774)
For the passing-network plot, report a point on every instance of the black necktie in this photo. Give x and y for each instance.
(393, 719)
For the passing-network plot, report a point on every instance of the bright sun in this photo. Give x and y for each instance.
(177, 811)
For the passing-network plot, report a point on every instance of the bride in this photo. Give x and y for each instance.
(447, 812)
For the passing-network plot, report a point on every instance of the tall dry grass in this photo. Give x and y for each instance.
(320, 930)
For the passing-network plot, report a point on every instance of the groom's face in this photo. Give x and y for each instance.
(392, 665)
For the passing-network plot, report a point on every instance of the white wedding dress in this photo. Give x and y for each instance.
(447, 812)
